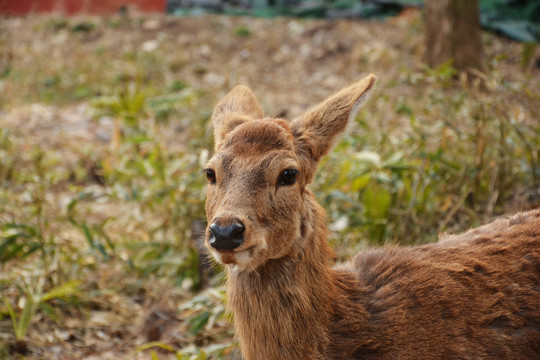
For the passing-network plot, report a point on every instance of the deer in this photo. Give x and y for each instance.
(469, 296)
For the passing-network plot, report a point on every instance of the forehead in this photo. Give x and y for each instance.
(258, 137)
(257, 144)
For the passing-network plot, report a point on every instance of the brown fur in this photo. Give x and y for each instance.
(469, 296)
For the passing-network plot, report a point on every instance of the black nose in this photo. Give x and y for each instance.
(226, 238)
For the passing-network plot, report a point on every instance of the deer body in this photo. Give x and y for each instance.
(470, 296)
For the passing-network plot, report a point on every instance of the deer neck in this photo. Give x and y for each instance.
(284, 309)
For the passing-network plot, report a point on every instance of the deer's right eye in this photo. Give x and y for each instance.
(288, 177)
(211, 176)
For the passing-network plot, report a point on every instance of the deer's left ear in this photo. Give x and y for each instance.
(317, 130)
(238, 106)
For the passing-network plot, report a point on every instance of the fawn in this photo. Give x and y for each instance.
(469, 296)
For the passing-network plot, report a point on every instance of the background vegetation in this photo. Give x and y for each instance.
(104, 127)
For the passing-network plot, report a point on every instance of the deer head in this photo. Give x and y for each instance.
(257, 197)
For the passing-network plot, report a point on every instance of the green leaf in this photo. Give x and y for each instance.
(88, 235)
(13, 317)
(360, 182)
(370, 158)
(197, 323)
(29, 310)
(154, 344)
(377, 202)
(62, 291)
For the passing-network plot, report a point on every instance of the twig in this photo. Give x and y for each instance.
(452, 211)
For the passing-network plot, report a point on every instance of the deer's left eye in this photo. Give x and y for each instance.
(288, 177)
(211, 176)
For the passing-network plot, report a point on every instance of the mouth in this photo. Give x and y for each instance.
(238, 257)
(236, 251)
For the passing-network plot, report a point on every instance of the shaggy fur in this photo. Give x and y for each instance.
(469, 296)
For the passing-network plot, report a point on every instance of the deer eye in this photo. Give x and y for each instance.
(210, 175)
(288, 177)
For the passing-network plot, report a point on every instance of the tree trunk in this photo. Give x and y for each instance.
(453, 33)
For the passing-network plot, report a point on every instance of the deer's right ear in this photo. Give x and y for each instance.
(238, 106)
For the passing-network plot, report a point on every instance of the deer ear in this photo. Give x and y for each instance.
(238, 106)
(317, 130)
